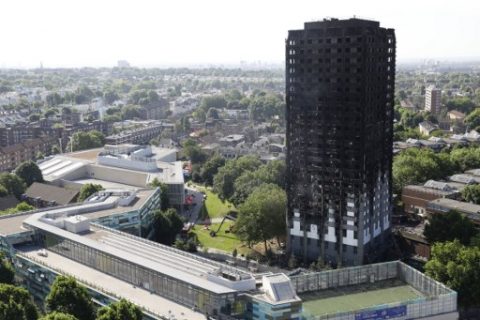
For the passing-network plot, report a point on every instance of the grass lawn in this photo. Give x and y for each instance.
(223, 241)
(343, 301)
(214, 207)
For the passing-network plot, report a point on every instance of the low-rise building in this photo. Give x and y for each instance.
(231, 140)
(14, 155)
(426, 127)
(444, 205)
(140, 134)
(123, 166)
(85, 241)
(416, 197)
(464, 178)
(455, 115)
(45, 195)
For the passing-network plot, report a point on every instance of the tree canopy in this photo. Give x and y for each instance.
(164, 200)
(456, 266)
(88, 189)
(193, 152)
(223, 181)
(210, 168)
(58, 316)
(29, 172)
(21, 207)
(67, 296)
(87, 140)
(414, 166)
(262, 215)
(272, 172)
(472, 120)
(465, 158)
(448, 226)
(166, 224)
(13, 184)
(7, 273)
(16, 303)
(471, 193)
(121, 310)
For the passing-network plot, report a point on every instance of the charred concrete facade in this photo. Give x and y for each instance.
(339, 91)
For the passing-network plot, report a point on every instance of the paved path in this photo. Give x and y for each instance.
(193, 213)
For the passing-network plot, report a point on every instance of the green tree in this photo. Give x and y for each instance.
(217, 102)
(471, 193)
(414, 166)
(7, 273)
(273, 172)
(13, 184)
(131, 112)
(67, 296)
(465, 158)
(223, 181)
(166, 224)
(262, 215)
(472, 120)
(16, 304)
(183, 125)
(456, 266)
(164, 200)
(29, 172)
(87, 190)
(21, 207)
(448, 226)
(210, 168)
(176, 221)
(110, 96)
(83, 94)
(463, 104)
(87, 140)
(55, 149)
(193, 152)
(3, 191)
(121, 310)
(58, 316)
(53, 99)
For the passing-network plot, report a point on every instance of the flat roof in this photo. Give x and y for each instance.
(174, 263)
(13, 223)
(90, 154)
(457, 205)
(61, 165)
(105, 184)
(100, 281)
(140, 199)
(348, 299)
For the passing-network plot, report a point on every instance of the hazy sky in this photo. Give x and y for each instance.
(158, 33)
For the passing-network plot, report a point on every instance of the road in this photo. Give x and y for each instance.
(192, 214)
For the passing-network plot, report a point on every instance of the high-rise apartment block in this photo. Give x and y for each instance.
(433, 97)
(339, 91)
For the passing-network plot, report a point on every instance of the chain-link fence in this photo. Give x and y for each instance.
(435, 298)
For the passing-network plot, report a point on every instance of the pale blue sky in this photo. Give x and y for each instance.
(186, 32)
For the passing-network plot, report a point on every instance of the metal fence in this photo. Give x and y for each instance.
(437, 298)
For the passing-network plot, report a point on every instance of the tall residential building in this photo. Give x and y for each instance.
(339, 91)
(433, 97)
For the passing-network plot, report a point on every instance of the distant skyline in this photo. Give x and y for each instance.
(149, 33)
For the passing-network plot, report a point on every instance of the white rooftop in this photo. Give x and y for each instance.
(174, 263)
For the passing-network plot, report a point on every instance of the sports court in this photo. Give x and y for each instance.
(351, 298)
